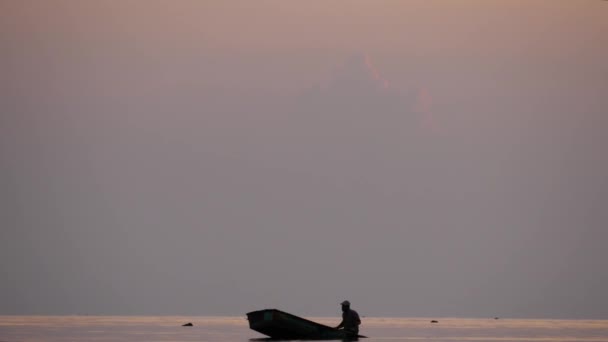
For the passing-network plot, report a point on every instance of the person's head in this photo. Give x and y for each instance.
(345, 305)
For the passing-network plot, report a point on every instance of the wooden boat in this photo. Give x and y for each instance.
(282, 325)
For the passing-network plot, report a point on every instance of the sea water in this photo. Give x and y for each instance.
(224, 329)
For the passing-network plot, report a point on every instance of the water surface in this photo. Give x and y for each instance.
(224, 329)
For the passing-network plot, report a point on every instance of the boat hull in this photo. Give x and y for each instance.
(282, 325)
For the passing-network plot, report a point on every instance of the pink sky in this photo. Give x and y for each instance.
(217, 155)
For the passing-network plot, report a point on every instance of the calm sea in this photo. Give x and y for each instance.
(220, 329)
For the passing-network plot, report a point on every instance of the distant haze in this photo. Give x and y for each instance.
(418, 158)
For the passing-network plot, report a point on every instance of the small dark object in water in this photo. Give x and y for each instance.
(495, 317)
(188, 325)
(434, 321)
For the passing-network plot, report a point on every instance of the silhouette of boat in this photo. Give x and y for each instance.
(282, 325)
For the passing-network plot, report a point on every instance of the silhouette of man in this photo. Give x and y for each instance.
(350, 319)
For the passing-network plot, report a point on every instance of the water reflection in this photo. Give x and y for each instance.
(223, 329)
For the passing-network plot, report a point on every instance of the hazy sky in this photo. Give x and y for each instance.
(418, 158)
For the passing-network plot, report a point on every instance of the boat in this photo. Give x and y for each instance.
(278, 324)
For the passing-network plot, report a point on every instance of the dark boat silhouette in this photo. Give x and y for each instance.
(282, 325)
